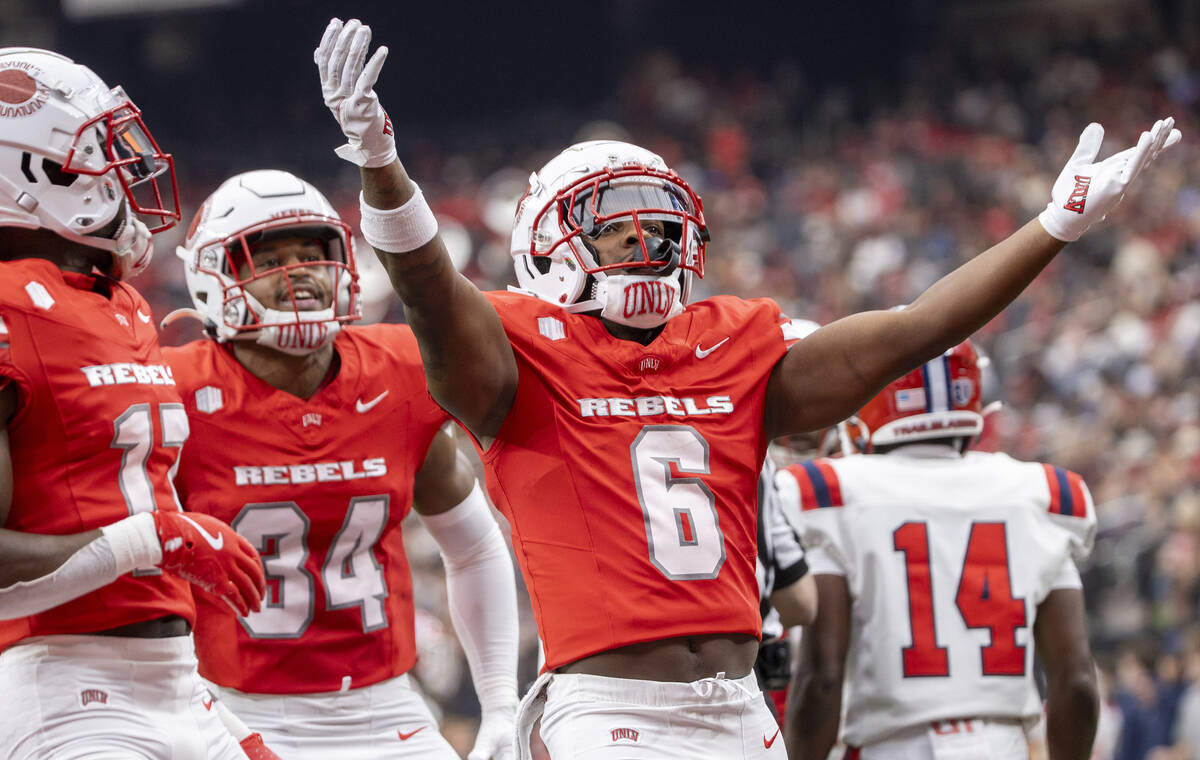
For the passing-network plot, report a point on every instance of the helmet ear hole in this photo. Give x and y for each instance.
(541, 263)
(56, 175)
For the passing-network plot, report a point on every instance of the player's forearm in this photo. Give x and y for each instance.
(965, 300)
(813, 715)
(1072, 710)
(449, 316)
(32, 555)
(482, 594)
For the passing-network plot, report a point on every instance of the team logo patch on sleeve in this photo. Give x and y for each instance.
(208, 399)
(38, 294)
(1066, 492)
(819, 486)
(552, 328)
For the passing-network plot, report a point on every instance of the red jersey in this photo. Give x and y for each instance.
(319, 487)
(628, 473)
(97, 431)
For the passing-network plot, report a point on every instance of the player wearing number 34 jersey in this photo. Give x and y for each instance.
(954, 566)
(314, 442)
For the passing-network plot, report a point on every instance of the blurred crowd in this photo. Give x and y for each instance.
(837, 199)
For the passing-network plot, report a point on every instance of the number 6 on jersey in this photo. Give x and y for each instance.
(681, 516)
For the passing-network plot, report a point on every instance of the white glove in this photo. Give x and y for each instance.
(497, 731)
(134, 248)
(346, 85)
(1087, 190)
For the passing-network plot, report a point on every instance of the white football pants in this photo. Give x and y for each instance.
(596, 718)
(385, 720)
(962, 739)
(107, 698)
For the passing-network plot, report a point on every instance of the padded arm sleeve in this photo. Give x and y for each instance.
(123, 546)
(483, 596)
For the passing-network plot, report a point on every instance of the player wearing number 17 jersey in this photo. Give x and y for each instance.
(95, 556)
(314, 442)
(940, 571)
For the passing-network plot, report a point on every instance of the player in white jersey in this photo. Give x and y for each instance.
(939, 572)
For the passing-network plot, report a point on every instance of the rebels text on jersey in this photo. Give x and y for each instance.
(319, 487)
(98, 429)
(628, 472)
(946, 559)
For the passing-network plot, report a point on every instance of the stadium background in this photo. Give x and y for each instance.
(848, 155)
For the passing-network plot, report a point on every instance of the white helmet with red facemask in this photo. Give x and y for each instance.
(580, 193)
(74, 154)
(940, 399)
(254, 208)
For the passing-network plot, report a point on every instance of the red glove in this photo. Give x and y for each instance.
(254, 748)
(208, 553)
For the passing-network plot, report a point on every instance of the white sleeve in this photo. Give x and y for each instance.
(483, 596)
(1067, 577)
(123, 546)
(822, 561)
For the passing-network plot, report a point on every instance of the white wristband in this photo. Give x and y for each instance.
(398, 230)
(134, 542)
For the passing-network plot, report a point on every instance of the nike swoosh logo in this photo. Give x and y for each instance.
(768, 744)
(216, 542)
(207, 703)
(405, 737)
(364, 407)
(144, 317)
(703, 352)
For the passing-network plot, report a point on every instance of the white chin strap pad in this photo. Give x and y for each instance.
(640, 301)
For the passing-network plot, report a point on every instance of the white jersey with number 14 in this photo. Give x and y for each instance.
(946, 559)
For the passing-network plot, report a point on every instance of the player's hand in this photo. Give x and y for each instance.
(1087, 190)
(208, 553)
(254, 748)
(134, 248)
(495, 738)
(347, 86)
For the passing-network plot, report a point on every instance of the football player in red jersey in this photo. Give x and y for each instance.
(313, 440)
(936, 570)
(623, 427)
(95, 556)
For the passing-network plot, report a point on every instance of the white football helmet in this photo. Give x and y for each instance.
(568, 203)
(248, 209)
(74, 153)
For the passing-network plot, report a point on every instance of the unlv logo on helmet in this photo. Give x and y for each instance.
(20, 93)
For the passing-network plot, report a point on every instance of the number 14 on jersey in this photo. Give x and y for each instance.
(984, 600)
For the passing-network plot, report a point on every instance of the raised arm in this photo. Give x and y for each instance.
(830, 374)
(468, 360)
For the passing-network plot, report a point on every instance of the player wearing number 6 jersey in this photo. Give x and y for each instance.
(623, 426)
(314, 442)
(95, 556)
(939, 573)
